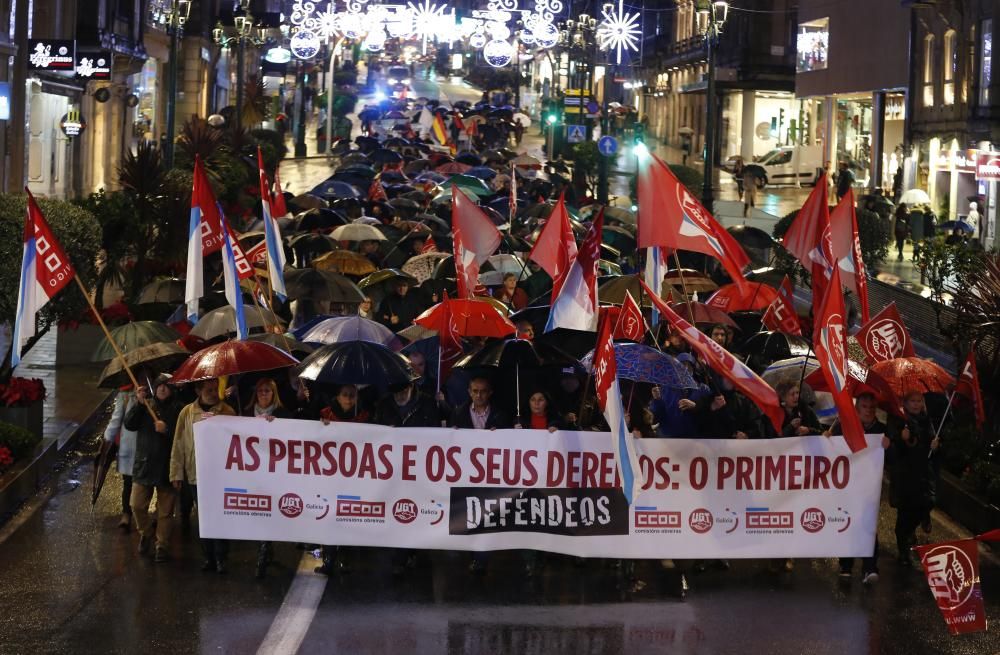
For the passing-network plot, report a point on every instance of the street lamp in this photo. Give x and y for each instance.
(173, 19)
(711, 18)
(243, 24)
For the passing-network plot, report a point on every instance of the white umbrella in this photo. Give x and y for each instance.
(915, 197)
(525, 120)
(222, 321)
(507, 263)
(357, 232)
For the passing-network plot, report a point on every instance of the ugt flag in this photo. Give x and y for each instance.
(609, 397)
(952, 570)
(45, 270)
(272, 236)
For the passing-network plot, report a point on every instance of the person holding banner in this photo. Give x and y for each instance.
(182, 459)
(728, 414)
(913, 446)
(479, 413)
(542, 414)
(405, 406)
(344, 408)
(800, 419)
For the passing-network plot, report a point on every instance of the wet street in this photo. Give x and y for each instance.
(74, 583)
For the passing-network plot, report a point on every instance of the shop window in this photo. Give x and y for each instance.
(929, 70)
(970, 65)
(949, 64)
(986, 62)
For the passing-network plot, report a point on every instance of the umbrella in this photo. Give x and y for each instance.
(907, 375)
(471, 185)
(508, 353)
(356, 362)
(618, 237)
(915, 197)
(694, 281)
(644, 364)
(468, 158)
(613, 290)
(452, 168)
(394, 176)
(134, 335)
(431, 176)
(466, 317)
(230, 358)
(525, 160)
(354, 179)
(395, 142)
(166, 290)
(765, 348)
(493, 155)
(752, 237)
(313, 284)
(345, 262)
(308, 201)
(285, 342)
(222, 321)
(421, 267)
(417, 333)
(416, 166)
(959, 225)
(384, 276)
(385, 156)
(102, 464)
(734, 298)
(337, 189)
(702, 313)
(318, 219)
(482, 172)
(357, 232)
(507, 263)
(349, 328)
(156, 357)
(313, 242)
(525, 121)
(404, 203)
(354, 158)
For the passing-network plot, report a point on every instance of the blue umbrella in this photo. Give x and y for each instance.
(431, 176)
(337, 329)
(356, 362)
(952, 225)
(644, 364)
(482, 172)
(337, 189)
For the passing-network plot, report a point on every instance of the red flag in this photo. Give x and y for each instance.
(456, 119)
(555, 249)
(429, 245)
(278, 206)
(376, 192)
(968, 386)
(203, 200)
(629, 323)
(885, 336)
(53, 269)
(847, 251)
(830, 345)
(671, 217)
(257, 254)
(780, 315)
(809, 239)
(723, 363)
(475, 239)
(952, 571)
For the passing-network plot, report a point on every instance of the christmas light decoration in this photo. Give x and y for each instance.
(619, 30)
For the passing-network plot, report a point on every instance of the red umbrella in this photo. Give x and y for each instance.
(861, 380)
(703, 314)
(469, 318)
(906, 375)
(752, 296)
(230, 358)
(452, 168)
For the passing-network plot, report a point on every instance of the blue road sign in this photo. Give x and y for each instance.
(593, 107)
(576, 133)
(607, 145)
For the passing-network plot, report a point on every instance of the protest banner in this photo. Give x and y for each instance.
(441, 488)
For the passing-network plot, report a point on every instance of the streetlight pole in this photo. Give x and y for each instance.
(179, 11)
(712, 20)
(300, 128)
(240, 70)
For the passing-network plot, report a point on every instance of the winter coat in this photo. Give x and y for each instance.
(497, 418)
(912, 481)
(182, 459)
(422, 413)
(738, 415)
(670, 420)
(152, 449)
(117, 432)
(807, 416)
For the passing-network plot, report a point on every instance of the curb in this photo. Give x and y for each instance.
(21, 483)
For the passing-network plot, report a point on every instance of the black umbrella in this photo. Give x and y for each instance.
(469, 158)
(394, 176)
(752, 237)
(366, 143)
(368, 114)
(311, 284)
(356, 362)
(358, 180)
(337, 189)
(765, 348)
(386, 156)
(395, 142)
(318, 219)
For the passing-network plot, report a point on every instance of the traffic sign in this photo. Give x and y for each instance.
(593, 107)
(576, 133)
(607, 145)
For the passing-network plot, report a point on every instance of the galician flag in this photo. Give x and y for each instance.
(205, 236)
(45, 270)
(231, 274)
(272, 236)
(609, 397)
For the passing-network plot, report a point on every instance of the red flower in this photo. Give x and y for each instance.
(21, 392)
(6, 458)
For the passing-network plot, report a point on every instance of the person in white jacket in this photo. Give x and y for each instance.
(116, 433)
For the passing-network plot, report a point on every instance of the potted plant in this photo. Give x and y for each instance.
(21, 404)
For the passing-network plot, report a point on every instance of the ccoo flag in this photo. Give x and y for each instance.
(272, 236)
(45, 270)
(609, 397)
(205, 236)
(231, 265)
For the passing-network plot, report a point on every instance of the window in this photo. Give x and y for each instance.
(929, 70)
(812, 42)
(949, 64)
(986, 62)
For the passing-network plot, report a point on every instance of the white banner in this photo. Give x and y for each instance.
(369, 485)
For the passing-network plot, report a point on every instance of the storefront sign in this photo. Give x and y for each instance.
(51, 55)
(988, 166)
(95, 65)
(963, 160)
(4, 101)
(369, 485)
(72, 123)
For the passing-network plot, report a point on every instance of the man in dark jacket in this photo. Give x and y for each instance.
(398, 309)
(406, 407)
(479, 413)
(845, 180)
(728, 414)
(151, 472)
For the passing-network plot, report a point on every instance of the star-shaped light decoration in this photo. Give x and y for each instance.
(427, 20)
(620, 30)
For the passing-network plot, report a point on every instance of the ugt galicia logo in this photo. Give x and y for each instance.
(290, 505)
(700, 521)
(813, 520)
(404, 511)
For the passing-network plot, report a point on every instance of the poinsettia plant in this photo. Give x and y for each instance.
(6, 457)
(116, 314)
(21, 392)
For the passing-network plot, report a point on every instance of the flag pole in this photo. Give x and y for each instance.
(114, 344)
(944, 417)
(687, 296)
